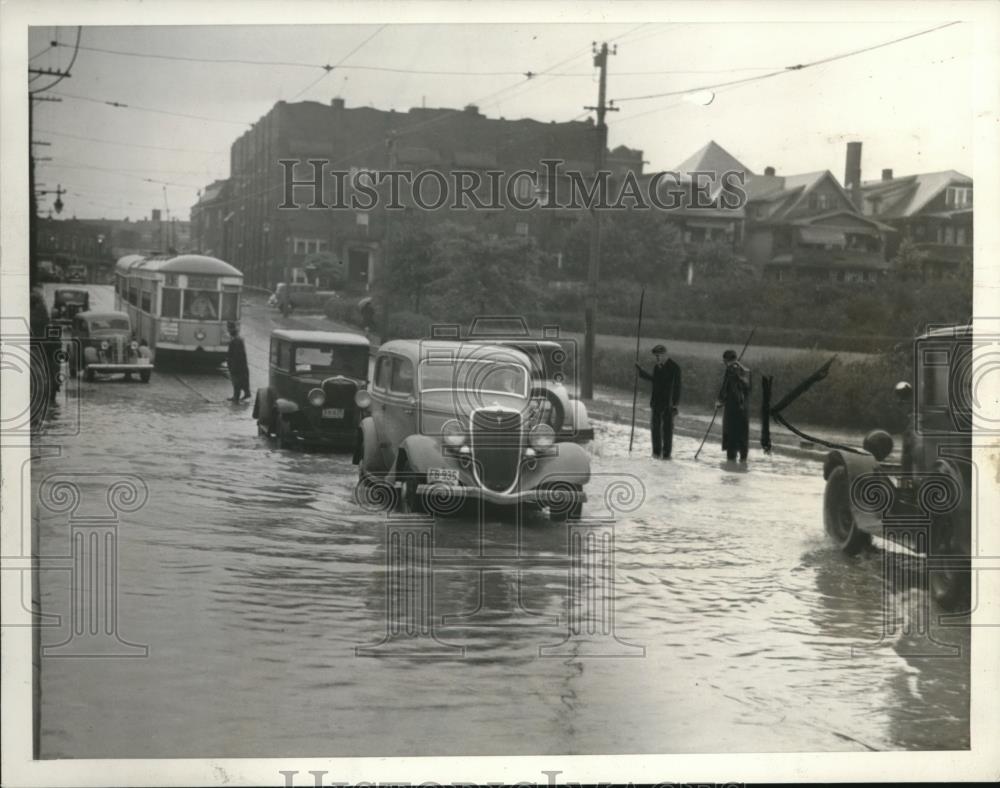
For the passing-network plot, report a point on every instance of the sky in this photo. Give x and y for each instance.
(910, 103)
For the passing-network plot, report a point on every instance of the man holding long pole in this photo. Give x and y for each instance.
(666, 396)
(734, 398)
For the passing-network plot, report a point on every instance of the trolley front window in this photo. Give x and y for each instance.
(201, 305)
(171, 302)
(230, 306)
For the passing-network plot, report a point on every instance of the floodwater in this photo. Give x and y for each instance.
(258, 586)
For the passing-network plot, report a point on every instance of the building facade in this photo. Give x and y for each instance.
(271, 243)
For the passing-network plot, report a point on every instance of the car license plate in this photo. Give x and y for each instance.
(446, 475)
(333, 413)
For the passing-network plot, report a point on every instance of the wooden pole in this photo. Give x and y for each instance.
(635, 388)
(712, 422)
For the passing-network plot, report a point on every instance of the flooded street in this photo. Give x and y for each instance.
(254, 578)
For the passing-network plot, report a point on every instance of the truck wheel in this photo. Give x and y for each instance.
(951, 586)
(838, 517)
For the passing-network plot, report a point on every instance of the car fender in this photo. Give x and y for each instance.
(285, 406)
(373, 455)
(567, 463)
(558, 398)
(858, 465)
(577, 419)
(262, 404)
(419, 452)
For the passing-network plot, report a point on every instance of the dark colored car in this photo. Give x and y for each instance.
(931, 486)
(103, 342)
(67, 303)
(309, 399)
(456, 421)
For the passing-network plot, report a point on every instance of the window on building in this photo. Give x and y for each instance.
(361, 219)
(525, 188)
(958, 197)
(521, 228)
(960, 236)
(949, 235)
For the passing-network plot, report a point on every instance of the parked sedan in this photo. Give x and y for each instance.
(456, 421)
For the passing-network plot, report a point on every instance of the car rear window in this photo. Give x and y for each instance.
(336, 360)
(112, 323)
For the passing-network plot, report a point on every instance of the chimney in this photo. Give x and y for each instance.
(886, 175)
(471, 109)
(852, 172)
(769, 170)
(337, 103)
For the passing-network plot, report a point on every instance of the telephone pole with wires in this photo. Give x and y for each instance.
(594, 268)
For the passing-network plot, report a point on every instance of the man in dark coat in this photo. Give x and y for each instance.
(236, 359)
(666, 379)
(734, 396)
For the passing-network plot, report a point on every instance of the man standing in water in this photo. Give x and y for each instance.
(734, 396)
(666, 379)
(236, 360)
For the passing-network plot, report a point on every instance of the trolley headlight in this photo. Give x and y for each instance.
(452, 433)
(362, 398)
(199, 335)
(317, 398)
(542, 436)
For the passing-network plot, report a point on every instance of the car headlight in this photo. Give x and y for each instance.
(317, 398)
(541, 436)
(105, 344)
(362, 398)
(452, 433)
(199, 335)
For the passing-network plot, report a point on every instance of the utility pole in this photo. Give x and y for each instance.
(32, 185)
(594, 269)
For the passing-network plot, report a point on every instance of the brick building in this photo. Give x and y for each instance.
(268, 243)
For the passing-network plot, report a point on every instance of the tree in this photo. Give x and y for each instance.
(483, 275)
(410, 267)
(908, 263)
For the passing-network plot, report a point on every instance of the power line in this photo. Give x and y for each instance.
(128, 144)
(122, 105)
(328, 68)
(69, 68)
(786, 70)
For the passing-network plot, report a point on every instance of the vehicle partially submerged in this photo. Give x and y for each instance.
(68, 302)
(452, 422)
(309, 398)
(930, 487)
(103, 343)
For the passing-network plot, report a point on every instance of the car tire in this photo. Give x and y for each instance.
(951, 587)
(283, 430)
(409, 500)
(571, 513)
(838, 519)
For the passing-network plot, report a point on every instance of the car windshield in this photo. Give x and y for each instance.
(71, 297)
(108, 323)
(349, 361)
(483, 376)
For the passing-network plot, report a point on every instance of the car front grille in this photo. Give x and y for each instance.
(496, 447)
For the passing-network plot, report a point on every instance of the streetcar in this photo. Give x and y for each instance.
(180, 304)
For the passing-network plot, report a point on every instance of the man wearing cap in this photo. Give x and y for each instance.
(666, 379)
(236, 360)
(734, 396)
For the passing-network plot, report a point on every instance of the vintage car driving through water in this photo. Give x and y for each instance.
(929, 489)
(455, 421)
(103, 342)
(309, 399)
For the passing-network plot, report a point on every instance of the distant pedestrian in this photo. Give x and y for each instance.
(666, 396)
(734, 397)
(367, 310)
(236, 359)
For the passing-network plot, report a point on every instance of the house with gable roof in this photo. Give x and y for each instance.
(807, 226)
(933, 210)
